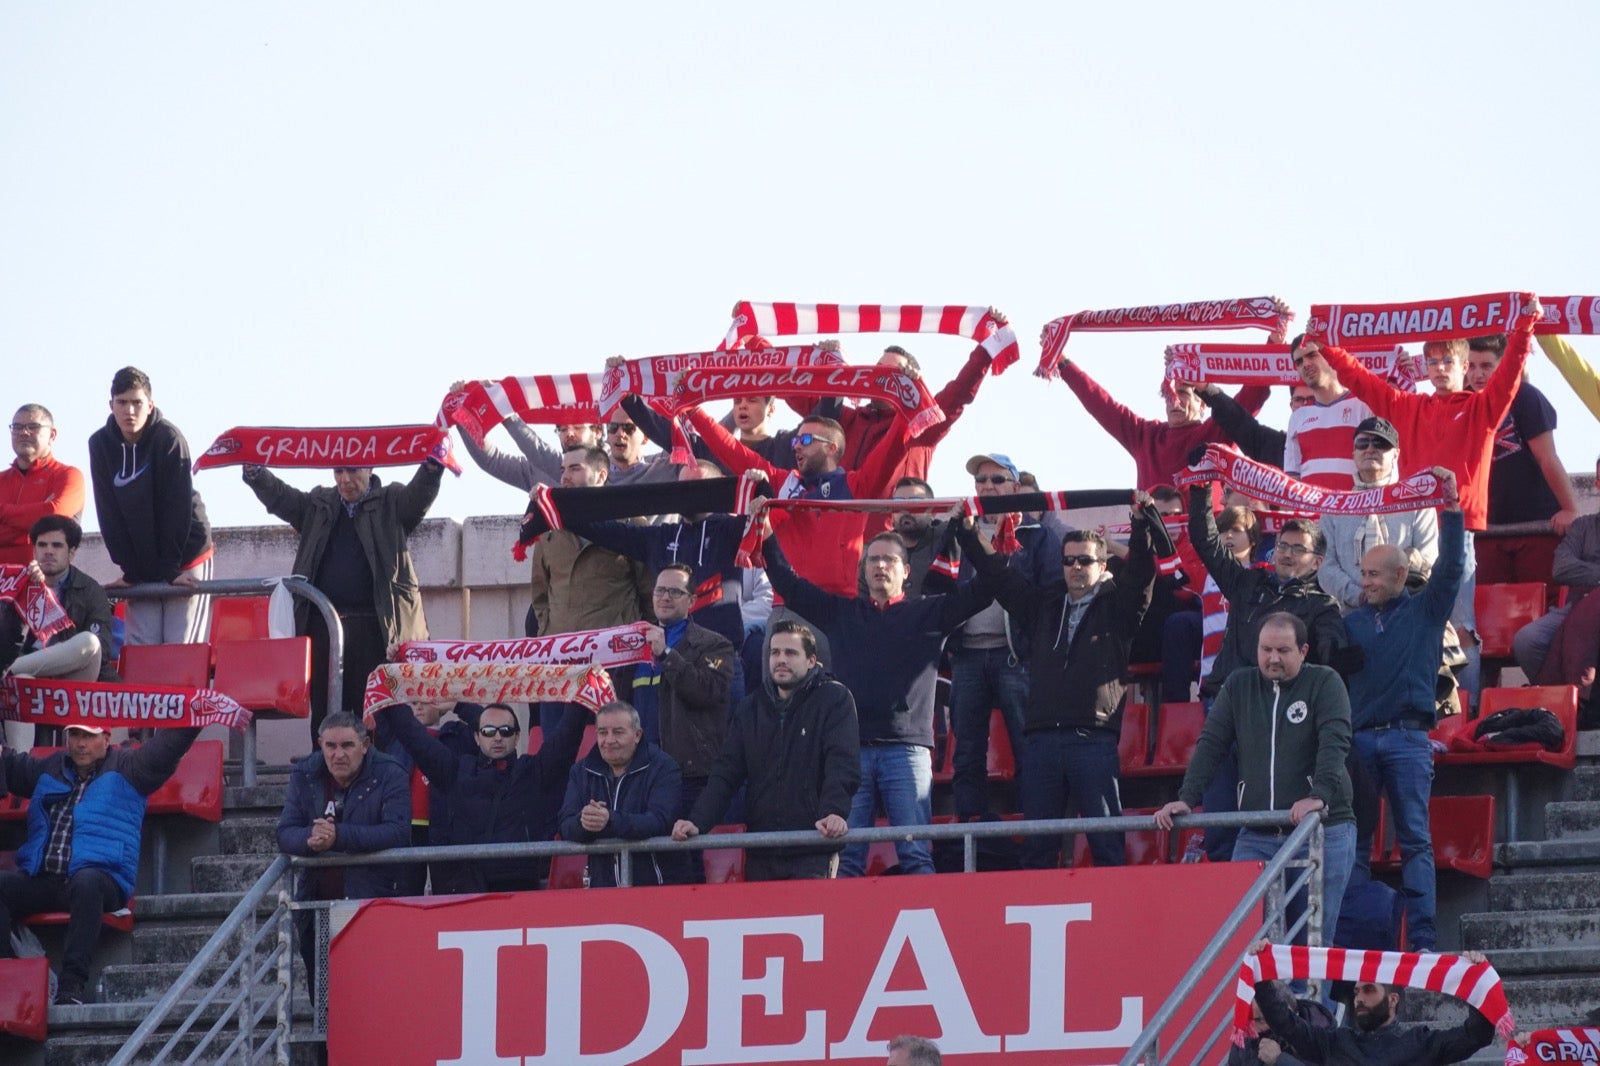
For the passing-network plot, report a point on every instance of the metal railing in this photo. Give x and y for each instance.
(257, 586)
(250, 1003)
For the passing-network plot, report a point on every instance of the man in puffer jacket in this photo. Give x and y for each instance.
(625, 788)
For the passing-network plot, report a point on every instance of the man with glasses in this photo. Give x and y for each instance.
(629, 466)
(35, 484)
(494, 796)
(1080, 633)
(1376, 453)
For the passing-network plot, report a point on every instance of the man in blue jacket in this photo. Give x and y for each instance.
(1392, 699)
(85, 809)
(625, 788)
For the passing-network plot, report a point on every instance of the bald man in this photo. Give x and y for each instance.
(1392, 699)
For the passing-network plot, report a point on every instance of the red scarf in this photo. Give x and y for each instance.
(655, 378)
(292, 446)
(1271, 485)
(790, 319)
(1259, 312)
(396, 683)
(906, 396)
(1269, 364)
(1477, 983)
(36, 604)
(52, 702)
(541, 399)
(1556, 1045)
(614, 646)
(1419, 321)
(1569, 314)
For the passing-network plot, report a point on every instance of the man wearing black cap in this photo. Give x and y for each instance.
(97, 789)
(1376, 450)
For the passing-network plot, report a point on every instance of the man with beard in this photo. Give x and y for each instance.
(928, 542)
(1375, 1039)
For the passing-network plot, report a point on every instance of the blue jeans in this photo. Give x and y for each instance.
(900, 777)
(1070, 765)
(1338, 855)
(1401, 764)
(980, 680)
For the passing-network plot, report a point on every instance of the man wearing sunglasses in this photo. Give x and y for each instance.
(1376, 453)
(493, 796)
(35, 484)
(1080, 633)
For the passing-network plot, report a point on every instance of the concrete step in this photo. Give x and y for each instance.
(147, 982)
(1586, 783)
(1578, 852)
(228, 873)
(1565, 959)
(1576, 819)
(263, 797)
(1536, 1002)
(249, 835)
(1490, 933)
(1543, 891)
(92, 1034)
(176, 942)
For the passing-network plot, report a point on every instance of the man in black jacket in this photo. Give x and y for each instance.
(793, 744)
(1081, 632)
(886, 651)
(82, 653)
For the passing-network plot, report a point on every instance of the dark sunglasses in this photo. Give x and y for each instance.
(498, 730)
(1371, 442)
(621, 427)
(800, 440)
(990, 479)
(1079, 560)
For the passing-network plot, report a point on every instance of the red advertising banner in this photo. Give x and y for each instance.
(1062, 967)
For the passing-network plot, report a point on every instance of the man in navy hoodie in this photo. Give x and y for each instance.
(151, 517)
(1392, 699)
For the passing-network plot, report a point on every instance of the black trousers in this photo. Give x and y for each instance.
(364, 651)
(85, 896)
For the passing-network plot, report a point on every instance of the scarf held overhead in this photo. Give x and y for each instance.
(654, 379)
(293, 446)
(59, 704)
(36, 604)
(906, 396)
(614, 646)
(540, 399)
(1569, 314)
(1271, 485)
(1258, 312)
(555, 508)
(1477, 983)
(1419, 321)
(791, 319)
(396, 683)
(1271, 364)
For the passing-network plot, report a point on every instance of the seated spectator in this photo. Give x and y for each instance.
(1416, 533)
(1577, 565)
(81, 854)
(35, 484)
(626, 788)
(82, 653)
(343, 799)
(494, 795)
(428, 802)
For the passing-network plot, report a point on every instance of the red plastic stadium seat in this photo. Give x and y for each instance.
(881, 857)
(724, 865)
(1560, 700)
(535, 740)
(586, 745)
(195, 788)
(239, 618)
(1133, 744)
(270, 677)
(1002, 761)
(25, 997)
(1177, 728)
(1463, 833)
(179, 665)
(566, 871)
(121, 920)
(1504, 609)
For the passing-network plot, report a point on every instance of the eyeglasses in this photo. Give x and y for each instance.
(1363, 443)
(29, 427)
(1079, 560)
(621, 427)
(991, 479)
(1448, 360)
(498, 730)
(800, 440)
(671, 594)
(1293, 551)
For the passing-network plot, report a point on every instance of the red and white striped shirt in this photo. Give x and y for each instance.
(1317, 449)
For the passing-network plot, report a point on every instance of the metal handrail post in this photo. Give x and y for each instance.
(285, 964)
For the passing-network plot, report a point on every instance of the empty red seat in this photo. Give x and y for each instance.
(25, 997)
(178, 665)
(881, 857)
(120, 920)
(1133, 743)
(1177, 728)
(724, 865)
(1504, 609)
(1002, 760)
(271, 677)
(240, 618)
(1463, 833)
(195, 788)
(566, 871)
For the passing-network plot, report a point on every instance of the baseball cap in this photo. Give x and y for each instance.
(96, 730)
(1381, 428)
(996, 458)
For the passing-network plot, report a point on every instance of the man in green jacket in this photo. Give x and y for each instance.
(1291, 721)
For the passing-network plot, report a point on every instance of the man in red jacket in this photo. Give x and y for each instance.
(36, 484)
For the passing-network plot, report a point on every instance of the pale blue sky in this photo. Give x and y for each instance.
(322, 214)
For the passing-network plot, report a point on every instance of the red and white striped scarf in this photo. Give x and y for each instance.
(1269, 364)
(542, 399)
(1556, 1045)
(52, 702)
(34, 603)
(1571, 315)
(395, 683)
(655, 378)
(1271, 485)
(790, 319)
(1258, 312)
(307, 448)
(1451, 975)
(1419, 321)
(610, 647)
